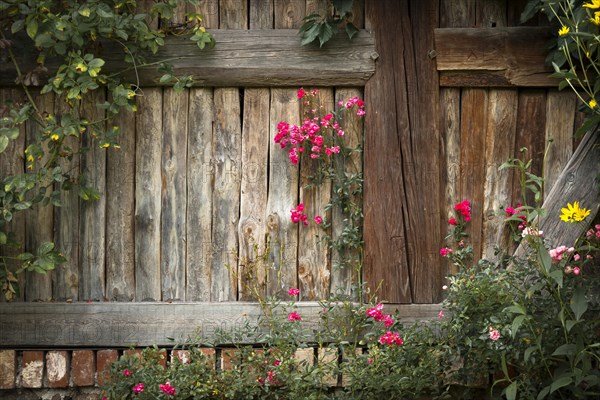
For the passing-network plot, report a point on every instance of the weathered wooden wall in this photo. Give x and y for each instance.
(198, 176)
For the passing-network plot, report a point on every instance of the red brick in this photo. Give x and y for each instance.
(32, 372)
(8, 369)
(57, 364)
(182, 355)
(82, 368)
(228, 356)
(104, 358)
(210, 355)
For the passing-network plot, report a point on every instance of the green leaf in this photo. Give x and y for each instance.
(3, 143)
(543, 393)
(351, 30)
(3, 238)
(96, 63)
(511, 391)
(569, 324)
(17, 25)
(557, 276)
(578, 303)
(517, 322)
(545, 258)
(32, 29)
(325, 33)
(530, 10)
(45, 248)
(560, 382)
(343, 6)
(528, 352)
(516, 309)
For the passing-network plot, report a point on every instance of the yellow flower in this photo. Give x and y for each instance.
(81, 67)
(54, 137)
(564, 30)
(130, 94)
(30, 158)
(574, 213)
(596, 19)
(593, 103)
(593, 4)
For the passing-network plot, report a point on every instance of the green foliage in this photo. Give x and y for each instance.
(322, 28)
(74, 36)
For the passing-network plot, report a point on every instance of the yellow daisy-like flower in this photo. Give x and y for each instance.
(593, 103)
(593, 4)
(54, 137)
(30, 158)
(574, 213)
(596, 19)
(564, 30)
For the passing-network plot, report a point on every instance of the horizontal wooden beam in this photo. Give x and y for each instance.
(240, 58)
(50, 325)
(502, 57)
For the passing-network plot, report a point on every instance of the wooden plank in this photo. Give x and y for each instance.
(227, 143)
(450, 101)
(233, 14)
(92, 219)
(473, 124)
(560, 118)
(209, 9)
(12, 163)
(500, 138)
(423, 141)
(261, 14)
(343, 278)
(252, 277)
(320, 7)
(490, 13)
(282, 196)
(531, 121)
(242, 58)
(513, 56)
(289, 14)
(457, 14)
(200, 180)
(148, 195)
(314, 267)
(61, 325)
(120, 211)
(358, 14)
(173, 194)
(384, 223)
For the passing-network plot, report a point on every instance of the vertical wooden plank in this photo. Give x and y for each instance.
(457, 14)
(148, 195)
(173, 207)
(320, 7)
(384, 224)
(289, 13)
(200, 181)
(12, 163)
(314, 267)
(120, 211)
(342, 279)
(500, 137)
(472, 179)
(261, 14)
(358, 14)
(283, 196)
(450, 108)
(233, 14)
(67, 278)
(92, 221)
(491, 13)
(226, 196)
(531, 134)
(253, 202)
(560, 118)
(209, 9)
(424, 215)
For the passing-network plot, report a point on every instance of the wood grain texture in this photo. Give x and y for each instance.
(61, 325)
(500, 138)
(314, 266)
(512, 56)
(560, 119)
(233, 14)
(252, 276)
(200, 181)
(423, 141)
(343, 278)
(227, 144)
(67, 278)
(120, 211)
(384, 223)
(92, 220)
(261, 57)
(457, 14)
(209, 9)
(282, 196)
(173, 194)
(12, 162)
(261, 14)
(473, 122)
(490, 13)
(148, 195)
(289, 13)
